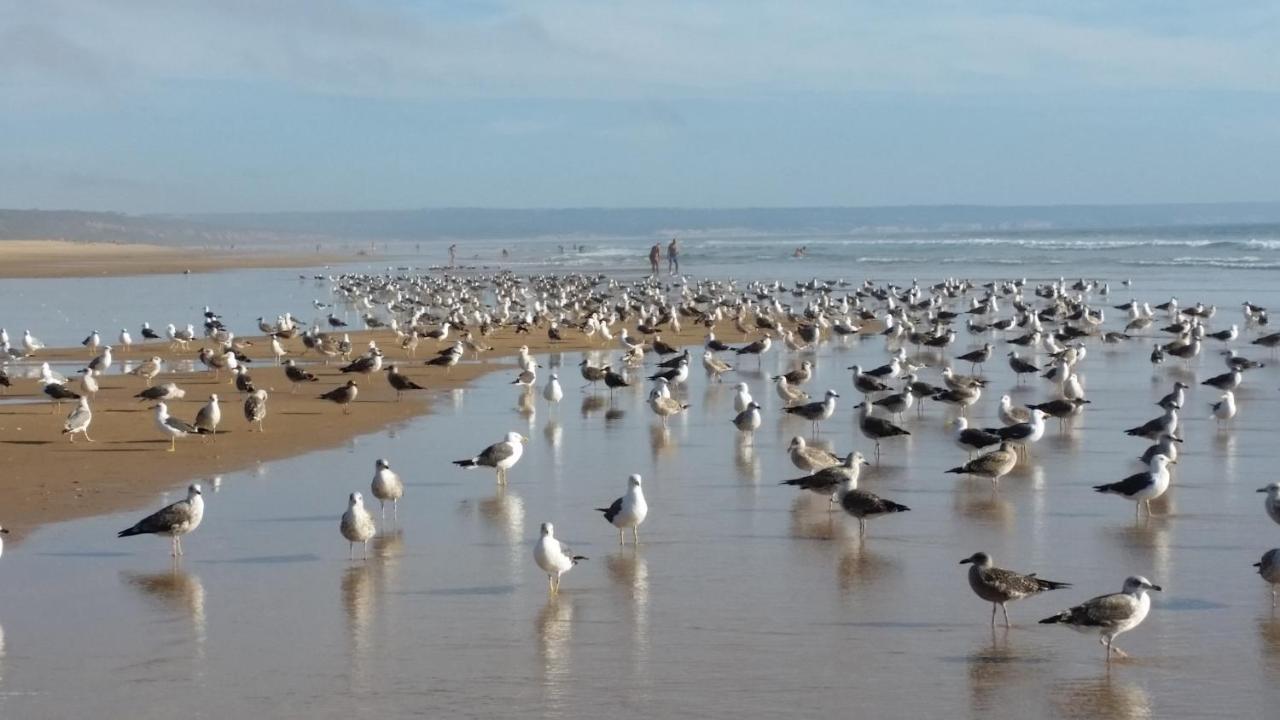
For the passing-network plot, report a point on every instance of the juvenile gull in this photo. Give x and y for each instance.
(1142, 487)
(1166, 424)
(343, 395)
(993, 465)
(809, 458)
(501, 456)
(554, 557)
(1110, 615)
(863, 504)
(1269, 569)
(789, 394)
(999, 586)
(78, 421)
(173, 520)
(714, 365)
(628, 511)
(357, 526)
(208, 417)
(866, 384)
(970, 439)
(1167, 445)
(875, 428)
(799, 376)
(297, 375)
(828, 480)
(400, 382)
(255, 408)
(148, 370)
(664, 406)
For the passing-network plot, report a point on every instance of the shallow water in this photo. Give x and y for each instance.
(744, 599)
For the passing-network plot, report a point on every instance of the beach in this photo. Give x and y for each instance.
(60, 259)
(49, 479)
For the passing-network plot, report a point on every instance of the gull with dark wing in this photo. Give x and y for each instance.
(876, 428)
(167, 391)
(174, 520)
(172, 427)
(1110, 615)
(297, 375)
(1142, 487)
(501, 456)
(255, 408)
(999, 586)
(400, 382)
(815, 412)
(828, 480)
(78, 421)
(863, 504)
(628, 511)
(993, 465)
(1269, 569)
(343, 395)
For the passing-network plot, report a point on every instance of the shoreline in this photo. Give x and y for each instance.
(66, 259)
(48, 480)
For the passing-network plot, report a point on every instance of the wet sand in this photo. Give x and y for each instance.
(744, 599)
(60, 258)
(46, 478)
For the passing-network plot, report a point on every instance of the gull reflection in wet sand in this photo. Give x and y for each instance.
(991, 666)
(363, 586)
(177, 591)
(553, 434)
(1269, 634)
(744, 458)
(592, 404)
(1103, 697)
(660, 440)
(554, 628)
(526, 405)
(630, 573)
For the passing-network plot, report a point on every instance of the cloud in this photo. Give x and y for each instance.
(662, 48)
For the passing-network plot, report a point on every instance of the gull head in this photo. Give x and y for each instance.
(382, 464)
(1137, 583)
(633, 481)
(515, 437)
(1272, 490)
(832, 394)
(548, 530)
(194, 490)
(979, 559)
(798, 442)
(355, 499)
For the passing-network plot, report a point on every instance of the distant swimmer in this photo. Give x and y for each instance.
(800, 251)
(655, 254)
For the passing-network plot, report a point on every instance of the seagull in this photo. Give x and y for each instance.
(1023, 435)
(255, 408)
(343, 395)
(400, 382)
(970, 439)
(866, 384)
(741, 397)
(297, 375)
(3, 531)
(999, 586)
(1142, 487)
(78, 421)
(172, 426)
(1110, 615)
(815, 412)
(1269, 569)
(208, 417)
(501, 456)
(386, 486)
(1272, 502)
(789, 394)
(148, 333)
(799, 376)
(714, 365)
(148, 370)
(664, 406)
(92, 342)
(243, 381)
(627, 511)
(87, 384)
(808, 458)
(1226, 381)
(757, 348)
(552, 392)
(863, 504)
(1166, 424)
(357, 526)
(554, 557)
(167, 391)
(1175, 399)
(102, 363)
(748, 420)
(174, 520)
(1225, 408)
(875, 428)
(828, 480)
(1167, 445)
(58, 392)
(993, 465)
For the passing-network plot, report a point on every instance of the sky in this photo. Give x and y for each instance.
(167, 106)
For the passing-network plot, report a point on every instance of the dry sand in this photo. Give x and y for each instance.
(45, 479)
(60, 258)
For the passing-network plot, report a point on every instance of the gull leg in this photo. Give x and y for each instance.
(86, 436)
(351, 550)
(635, 540)
(551, 586)
(173, 546)
(993, 615)
(1005, 610)
(862, 527)
(621, 536)
(173, 446)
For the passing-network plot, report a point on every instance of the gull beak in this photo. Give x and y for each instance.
(4, 530)
(1261, 490)
(1157, 588)
(524, 439)
(1177, 439)
(966, 561)
(864, 462)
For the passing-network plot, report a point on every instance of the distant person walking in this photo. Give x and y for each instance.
(673, 258)
(655, 255)
(453, 254)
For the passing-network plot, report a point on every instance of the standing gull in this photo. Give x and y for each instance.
(357, 526)
(999, 586)
(501, 456)
(172, 426)
(748, 420)
(809, 458)
(400, 382)
(1271, 503)
(741, 397)
(993, 465)
(1142, 487)
(386, 486)
(174, 520)
(554, 557)
(863, 504)
(664, 406)
(828, 480)
(208, 417)
(78, 421)
(628, 511)
(552, 392)
(815, 412)
(1110, 615)
(297, 375)
(343, 395)
(255, 408)
(876, 428)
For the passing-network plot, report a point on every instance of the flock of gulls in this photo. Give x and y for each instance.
(1040, 334)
